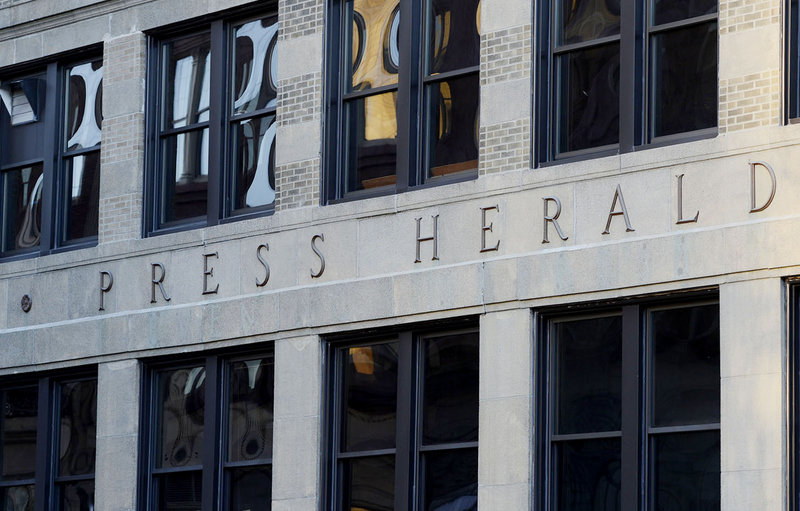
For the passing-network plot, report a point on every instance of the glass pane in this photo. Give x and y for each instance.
(181, 404)
(250, 489)
(187, 69)
(451, 480)
(685, 80)
(84, 103)
(369, 408)
(369, 484)
(17, 498)
(81, 196)
(452, 116)
(589, 98)
(375, 48)
(371, 125)
(450, 407)
(588, 375)
(586, 20)
(666, 11)
(78, 420)
(454, 35)
(254, 168)
(686, 470)
(77, 496)
(255, 72)
(185, 176)
(685, 366)
(182, 491)
(18, 434)
(21, 207)
(588, 477)
(250, 401)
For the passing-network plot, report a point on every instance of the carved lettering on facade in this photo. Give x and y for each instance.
(209, 272)
(434, 238)
(773, 181)
(263, 282)
(623, 211)
(158, 282)
(105, 287)
(484, 229)
(682, 220)
(548, 218)
(317, 274)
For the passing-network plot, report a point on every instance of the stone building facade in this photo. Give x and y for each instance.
(522, 245)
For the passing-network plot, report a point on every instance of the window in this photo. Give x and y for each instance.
(621, 74)
(50, 164)
(402, 93)
(47, 444)
(404, 422)
(630, 415)
(212, 140)
(210, 457)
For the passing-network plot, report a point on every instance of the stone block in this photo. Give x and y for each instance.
(752, 422)
(299, 56)
(260, 314)
(17, 347)
(751, 347)
(28, 48)
(298, 366)
(116, 473)
(749, 51)
(296, 458)
(441, 289)
(75, 35)
(118, 399)
(505, 433)
(505, 101)
(297, 142)
(506, 497)
(339, 248)
(506, 355)
(502, 14)
(746, 490)
(307, 504)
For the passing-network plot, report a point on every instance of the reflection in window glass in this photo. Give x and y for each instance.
(255, 66)
(18, 434)
(453, 129)
(21, 207)
(181, 423)
(375, 43)
(372, 135)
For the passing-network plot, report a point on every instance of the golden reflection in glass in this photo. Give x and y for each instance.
(375, 51)
(380, 117)
(445, 108)
(363, 359)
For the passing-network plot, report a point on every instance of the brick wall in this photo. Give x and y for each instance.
(750, 64)
(122, 150)
(506, 57)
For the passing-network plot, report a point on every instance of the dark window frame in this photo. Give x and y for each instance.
(636, 80)
(793, 394)
(636, 380)
(213, 470)
(46, 478)
(409, 483)
(792, 69)
(412, 128)
(53, 153)
(219, 209)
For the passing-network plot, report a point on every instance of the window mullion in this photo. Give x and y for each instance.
(406, 420)
(631, 116)
(46, 241)
(217, 115)
(405, 102)
(631, 408)
(211, 444)
(44, 446)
